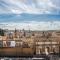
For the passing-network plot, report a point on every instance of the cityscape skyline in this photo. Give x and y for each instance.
(31, 25)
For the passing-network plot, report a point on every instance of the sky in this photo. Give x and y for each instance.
(30, 14)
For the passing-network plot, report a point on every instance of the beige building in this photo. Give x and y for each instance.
(48, 43)
(42, 42)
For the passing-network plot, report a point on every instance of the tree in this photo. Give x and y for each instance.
(1, 32)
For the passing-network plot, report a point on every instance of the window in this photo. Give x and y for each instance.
(19, 43)
(12, 43)
(4, 44)
(1, 44)
(8, 43)
(58, 33)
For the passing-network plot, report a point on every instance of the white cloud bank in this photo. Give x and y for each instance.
(34, 25)
(29, 6)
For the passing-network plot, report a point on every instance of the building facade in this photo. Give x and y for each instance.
(42, 42)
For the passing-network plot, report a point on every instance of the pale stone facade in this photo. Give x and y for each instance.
(48, 45)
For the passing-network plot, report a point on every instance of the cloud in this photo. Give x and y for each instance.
(32, 25)
(29, 6)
